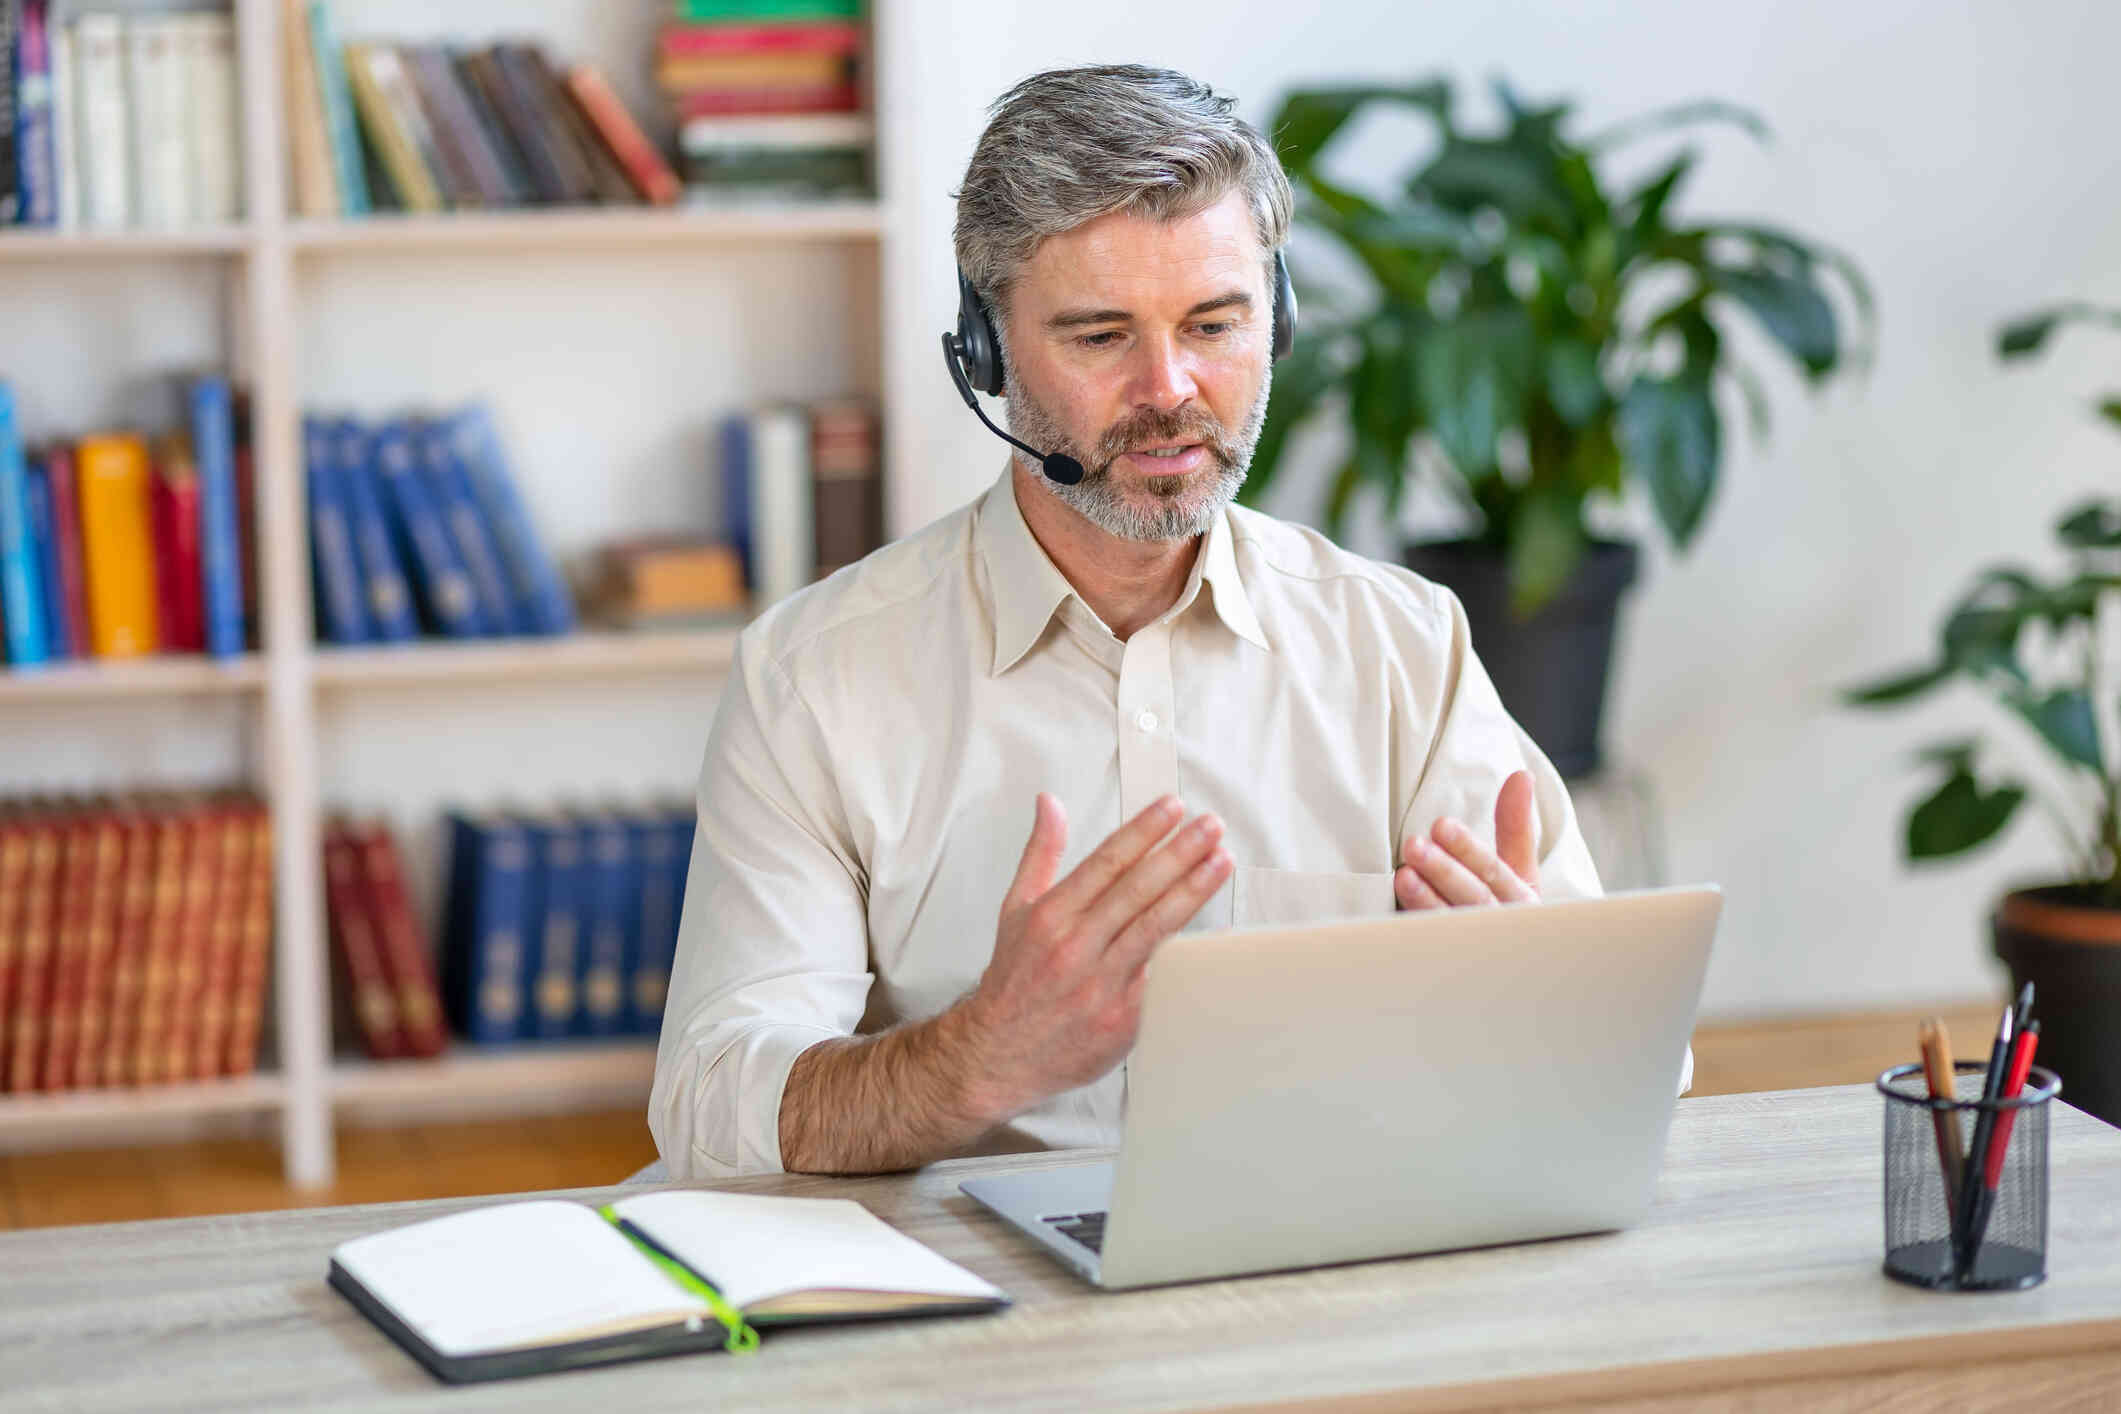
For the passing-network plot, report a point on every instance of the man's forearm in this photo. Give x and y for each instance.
(896, 1100)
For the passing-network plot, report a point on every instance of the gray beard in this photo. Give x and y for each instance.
(1185, 507)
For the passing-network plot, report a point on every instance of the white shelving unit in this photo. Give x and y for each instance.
(294, 695)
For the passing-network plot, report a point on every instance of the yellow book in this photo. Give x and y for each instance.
(117, 546)
(375, 74)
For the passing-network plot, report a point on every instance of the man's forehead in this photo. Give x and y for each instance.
(1139, 264)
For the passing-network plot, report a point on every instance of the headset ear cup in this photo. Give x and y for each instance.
(1284, 308)
(981, 350)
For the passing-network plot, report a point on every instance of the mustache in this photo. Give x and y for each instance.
(1161, 429)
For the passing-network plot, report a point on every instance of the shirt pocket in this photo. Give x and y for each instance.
(1301, 896)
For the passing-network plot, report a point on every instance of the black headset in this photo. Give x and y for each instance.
(974, 357)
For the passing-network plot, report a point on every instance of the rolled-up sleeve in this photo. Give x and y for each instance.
(772, 953)
(1475, 748)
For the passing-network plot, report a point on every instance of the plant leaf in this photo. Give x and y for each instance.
(2110, 409)
(1668, 430)
(2025, 334)
(1898, 688)
(1471, 375)
(1958, 816)
(1792, 310)
(1300, 380)
(2064, 718)
(1546, 544)
(1573, 384)
(2090, 525)
(1309, 118)
(1700, 110)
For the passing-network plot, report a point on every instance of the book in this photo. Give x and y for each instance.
(15, 829)
(820, 36)
(607, 178)
(214, 138)
(449, 485)
(66, 536)
(35, 925)
(533, 104)
(555, 933)
(469, 176)
(838, 97)
(21, 574)
(172, 842)
(185, 998)
(478, 83)
(610, 919)
(385, 592)
(401, 942)
(224, 939)
(600, 108)
(485, 958)
(846, 487)
(722, 10)
(213, 440)
(66, 146)
(117, 545)
(767, 499)
(43, 531)
(10, 164)
(103, 100)
(357, 952)
(36, 155)
(663, 842)
(540, 591)
(528, 1287)
(316, 175)
(159, 103)
(246, 1018)
(74, 916)
(173, 497)
(336, 102)
(440, 582)
(128, 965)
(794, 68)
(342, 614)
(381, 101)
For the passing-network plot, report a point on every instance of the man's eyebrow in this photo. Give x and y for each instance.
(1077, 318)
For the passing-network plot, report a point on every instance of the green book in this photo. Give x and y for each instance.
(697, 11)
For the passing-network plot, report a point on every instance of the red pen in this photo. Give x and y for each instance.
(1999, 1141)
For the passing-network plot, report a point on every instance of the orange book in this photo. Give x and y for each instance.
(194, 939)
(255, 959)
(644, 166)
(224, 941)
(150, 1025)
(129, 952)
(118, 546)
(356, 946)
(33, 950)
(114, 837)
(14, 893)
(73, 913)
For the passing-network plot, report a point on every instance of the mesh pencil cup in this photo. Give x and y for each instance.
(1920, 1246)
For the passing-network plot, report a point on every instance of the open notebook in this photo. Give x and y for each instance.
(523, 1288)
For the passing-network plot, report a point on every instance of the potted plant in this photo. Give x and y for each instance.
(2033, 646)
(1547, 337)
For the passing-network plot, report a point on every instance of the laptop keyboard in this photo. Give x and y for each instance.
(1086, 1228)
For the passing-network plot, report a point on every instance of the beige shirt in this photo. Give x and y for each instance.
(870, 775)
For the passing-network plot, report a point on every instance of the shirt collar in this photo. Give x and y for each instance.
(1027, 587)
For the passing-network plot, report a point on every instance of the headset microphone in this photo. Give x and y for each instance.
(1064, 469)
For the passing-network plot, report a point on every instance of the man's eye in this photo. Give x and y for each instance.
(1098, 341)
(1216, 330)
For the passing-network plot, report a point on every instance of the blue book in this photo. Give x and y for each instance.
(213, 438)
(385, 593)
(338, 111)
(613, 890)
(21, 576)
(539, 590)
(438, 576)
(341, 617)
(663, 840)
(485, 941)
(555, 925)
(46, 537)
(450, 486)
(36, 165)
(736, 490)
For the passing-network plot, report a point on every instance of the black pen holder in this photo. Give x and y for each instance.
(1924, 1238)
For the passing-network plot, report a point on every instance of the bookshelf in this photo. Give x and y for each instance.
(294, 317)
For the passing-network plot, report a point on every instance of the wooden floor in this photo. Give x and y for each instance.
(522, 1155)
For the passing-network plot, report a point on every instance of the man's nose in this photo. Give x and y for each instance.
(1164, 379)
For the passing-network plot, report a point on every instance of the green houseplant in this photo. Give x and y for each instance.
(2033, 647)
(1545, 337)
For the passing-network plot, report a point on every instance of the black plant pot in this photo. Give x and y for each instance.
(1550, 668)
(2069, 948)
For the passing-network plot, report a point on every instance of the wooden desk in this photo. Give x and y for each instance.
(1754, 1279)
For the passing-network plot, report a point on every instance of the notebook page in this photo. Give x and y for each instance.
(518, 1274)
(753, 1247)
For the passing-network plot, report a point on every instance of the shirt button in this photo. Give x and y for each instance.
(1146, 721)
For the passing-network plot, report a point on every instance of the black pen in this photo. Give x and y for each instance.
(1977, 1153)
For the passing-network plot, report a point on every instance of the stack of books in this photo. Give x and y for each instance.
(563, 923)
(802, 492)
(433, 127)
(135, 934)
(416, 527)
(115, 122)
(384, 979)
(768, 98)
(120, 545)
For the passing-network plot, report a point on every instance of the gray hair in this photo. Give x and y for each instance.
(1067, 146)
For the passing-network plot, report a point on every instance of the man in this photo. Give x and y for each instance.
(875, 968)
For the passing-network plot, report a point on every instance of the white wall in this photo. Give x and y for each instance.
(1963, 154)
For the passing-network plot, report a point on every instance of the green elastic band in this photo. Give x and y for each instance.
(742, 1338)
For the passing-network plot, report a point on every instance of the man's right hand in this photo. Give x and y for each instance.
(1060, 1002)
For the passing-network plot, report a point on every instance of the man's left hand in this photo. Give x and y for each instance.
(1452, 868)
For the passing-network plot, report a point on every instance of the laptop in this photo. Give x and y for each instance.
(1378, 1087)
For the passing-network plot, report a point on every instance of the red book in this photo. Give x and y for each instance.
(128, 968)
(115, 835)
(644, 166)
(184, 995)
(255, 958)
(14, 894)
(74, 909)
(175, 506)
(224, 940)
(357, 947)
(402, 942)
(66, 531)
(842, 97)
(173, 836)
(819, 37)
(35, 927)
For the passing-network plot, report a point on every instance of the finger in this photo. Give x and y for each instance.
(1115, 855)
(1134, 891)
(1412, 891)
(1042, 852)
(1453, 882)
(1517, 828)
(1483, 863)
(1131, 950)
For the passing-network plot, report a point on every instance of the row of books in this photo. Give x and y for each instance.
(116, 545)
(135, 938)
(802, 492)
(768, 98)
(117, 121)
(416, 526)
(429, 127)
(562, 923)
